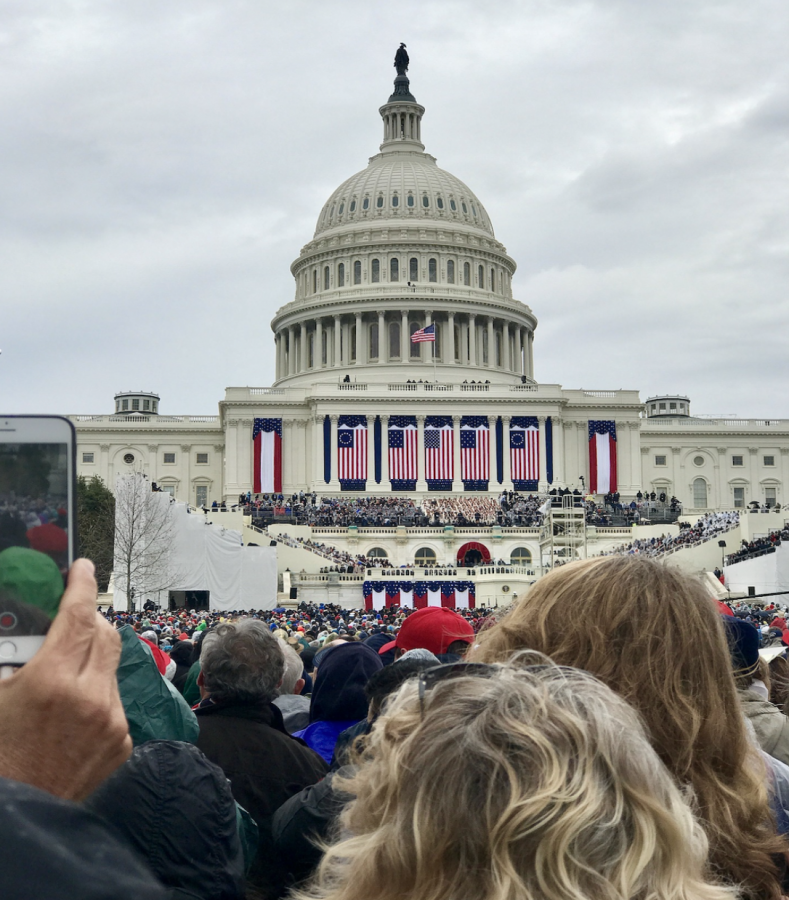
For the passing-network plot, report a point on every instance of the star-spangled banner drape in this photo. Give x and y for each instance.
(475, 452)
(419, 594)
(352, 452)
(524, 452)
(602, 456)
(439, 453)
(267, 453)
(402, 452)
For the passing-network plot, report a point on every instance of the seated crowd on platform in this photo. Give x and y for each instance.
(759, 546)
(706, 528)
(591, 743)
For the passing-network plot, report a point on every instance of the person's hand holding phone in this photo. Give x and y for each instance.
(62, 725)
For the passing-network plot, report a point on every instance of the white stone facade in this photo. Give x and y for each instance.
(399, 246)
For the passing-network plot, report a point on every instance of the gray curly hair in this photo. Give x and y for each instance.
(242, 661)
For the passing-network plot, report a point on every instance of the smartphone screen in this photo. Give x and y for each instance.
(37, 500)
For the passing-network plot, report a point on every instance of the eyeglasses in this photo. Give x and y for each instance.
(431, 677)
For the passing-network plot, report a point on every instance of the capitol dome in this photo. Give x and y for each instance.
(401, 246)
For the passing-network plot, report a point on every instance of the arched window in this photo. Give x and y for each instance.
(324, 347)
(311, 351)
(353, 343)
(453, 206)
(463, 205)
(341, 209)
(485, 346)
(467, 274)
(394, 340)
(439, 202)
(498, 348)
(380, 201)
(377, 553)
(314, 281)
(352, 207)
(394, 269)
(425, 201)
(376, 270)
(432, 269)
(700, 493)
(416, 349)
(374, 341)
(395, 200)
(450, 271)
(457, 343)
(357, 272)
(326, 278)
(520, 556)
(424, 556)
(481, 277)
(493, 279)
(366, 203)
(410, 200)
(341, 275)
(413, 269)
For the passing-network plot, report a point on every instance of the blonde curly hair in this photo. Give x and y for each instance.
(532, 782)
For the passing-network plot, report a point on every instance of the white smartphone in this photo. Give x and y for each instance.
(37, 529)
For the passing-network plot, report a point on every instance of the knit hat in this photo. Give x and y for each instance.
(31, 577)
(744, 642)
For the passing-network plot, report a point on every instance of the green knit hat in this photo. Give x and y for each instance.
(31, 577)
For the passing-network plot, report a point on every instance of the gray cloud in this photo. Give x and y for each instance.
(161, 165)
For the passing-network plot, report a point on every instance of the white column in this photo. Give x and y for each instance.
(449, 352)
(277, 357)
(337, 358)
(635, 454)
(457, 484)
(304, 358)
(244, 480)
(472, 339)
(543, 482)
(404, 336)
(421, 484)
(559, 467)
(385, 486)
(491, 344)
(317, 465)
(360, 354)
(505, 346)
(530, 373)
(507, 484)
(335, 481)
(493, 482)
(231, 459)
(383, 346)
(371, 485)
(318, 359)
(291, 350)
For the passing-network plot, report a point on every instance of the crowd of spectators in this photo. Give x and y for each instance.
(759, 546)
(706, 528)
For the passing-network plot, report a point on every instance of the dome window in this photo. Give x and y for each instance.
(331, 212)
(380, 201)
(341, 275)
(395, 200)
(394, 269)
(366, 203)
(474, 210)
(413, 269)
(425, 201)
(467, 274)
(376, 270)
(463, 207)
(450, 271)
(341, 210)
(357, 272)
(326, 278)
(432, 269)
(453, 206)
(481, 277)
(440, 202)
(410, 200)
(352, 207)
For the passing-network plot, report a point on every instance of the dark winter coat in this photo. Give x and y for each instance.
(265, 766)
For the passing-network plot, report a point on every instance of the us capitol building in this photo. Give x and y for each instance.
(401, 246)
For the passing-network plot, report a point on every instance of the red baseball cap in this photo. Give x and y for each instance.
(433, 628)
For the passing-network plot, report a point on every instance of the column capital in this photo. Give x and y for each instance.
(404, 312)
(152, 448)
(334, 418)
(336, 316)
(541, 419)
(420, 417)
(219, 448)
(456, 417)
(506, 420)
(105, 448)
(186, 447)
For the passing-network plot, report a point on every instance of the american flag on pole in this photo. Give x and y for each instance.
(352, 452)
(428, 333)
(602, 456)
(524, 452)
(475, 453)
(439, 453)
(267, 451)
(402, 452)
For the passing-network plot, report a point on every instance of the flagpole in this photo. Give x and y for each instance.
(433, 346)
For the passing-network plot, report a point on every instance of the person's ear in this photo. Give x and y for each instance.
(299, 686)
(200, 679)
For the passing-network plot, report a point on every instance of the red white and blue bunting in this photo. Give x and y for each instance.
(419, 594)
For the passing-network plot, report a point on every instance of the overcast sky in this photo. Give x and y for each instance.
(162, 164)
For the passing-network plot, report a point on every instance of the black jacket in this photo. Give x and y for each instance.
(265, 766)
(53, 849)
(174, 809)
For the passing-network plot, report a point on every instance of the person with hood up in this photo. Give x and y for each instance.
(338, 698)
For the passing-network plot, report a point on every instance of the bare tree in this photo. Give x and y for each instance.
(144, 533)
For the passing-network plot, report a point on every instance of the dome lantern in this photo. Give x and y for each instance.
(402, 115)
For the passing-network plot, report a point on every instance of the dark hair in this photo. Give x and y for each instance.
(388, 680)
